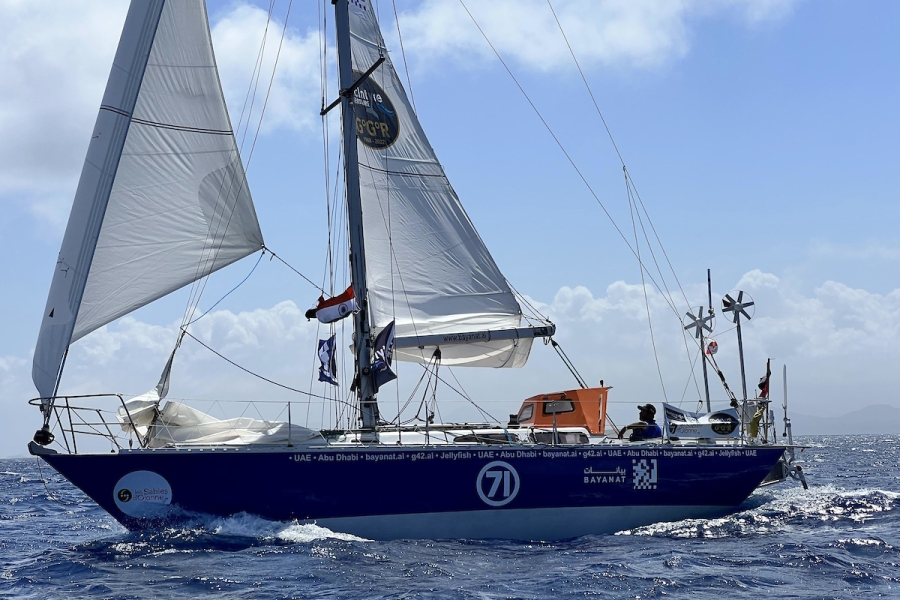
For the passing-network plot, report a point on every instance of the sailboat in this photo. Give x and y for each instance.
(163, 201)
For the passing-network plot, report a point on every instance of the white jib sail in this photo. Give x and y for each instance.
(163, 199)
(426, 266)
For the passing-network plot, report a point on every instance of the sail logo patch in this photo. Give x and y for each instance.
(377, 125)
(142, 494)
(497, 483)
(723, 423)
(644, 473)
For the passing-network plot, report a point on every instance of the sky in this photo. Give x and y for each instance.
(762, 136)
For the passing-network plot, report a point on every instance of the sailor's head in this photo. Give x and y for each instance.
(648, 412)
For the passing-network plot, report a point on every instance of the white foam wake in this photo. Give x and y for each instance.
(788, 508)
(247, 525)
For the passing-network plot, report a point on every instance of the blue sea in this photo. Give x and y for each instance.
(839, 539)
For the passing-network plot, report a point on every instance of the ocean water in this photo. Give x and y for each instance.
(839, 539)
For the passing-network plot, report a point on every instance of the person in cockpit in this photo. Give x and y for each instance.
(646, 428)
(648, 415)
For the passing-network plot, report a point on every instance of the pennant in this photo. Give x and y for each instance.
(384, 354)
(328, 369)
(764, 381)
(333, 309)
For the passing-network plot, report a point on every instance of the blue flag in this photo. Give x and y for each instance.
(328, 370)
(384, 353)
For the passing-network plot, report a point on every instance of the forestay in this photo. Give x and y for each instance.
(163, 198)
(426, 266)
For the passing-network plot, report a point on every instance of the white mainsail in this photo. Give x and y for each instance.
(163, 198)
(427, 269)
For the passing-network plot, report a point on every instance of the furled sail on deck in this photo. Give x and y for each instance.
(163, 198)
(426, 266)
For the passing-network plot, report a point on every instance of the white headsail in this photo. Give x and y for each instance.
(427, 269)
(163, 198)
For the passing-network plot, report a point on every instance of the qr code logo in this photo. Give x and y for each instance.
(645, 472)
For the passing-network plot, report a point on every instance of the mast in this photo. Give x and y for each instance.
(702, 342)
(736, 307)
(365, 383)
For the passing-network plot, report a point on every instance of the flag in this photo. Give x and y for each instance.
(764, 381)
(384, 353)
(328, 369)
(712, 347)
(333, 309)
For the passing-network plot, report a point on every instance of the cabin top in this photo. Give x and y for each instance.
(573, 408)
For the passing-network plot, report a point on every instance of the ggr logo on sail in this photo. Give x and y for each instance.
(497, 483)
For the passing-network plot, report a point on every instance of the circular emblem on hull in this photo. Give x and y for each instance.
(377, 125)
(142, 494)
(497, 483)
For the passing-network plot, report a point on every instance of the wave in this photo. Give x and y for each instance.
(193, 532)
(247, 525)
(777, 511)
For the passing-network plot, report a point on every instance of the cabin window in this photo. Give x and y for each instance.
(558, 406)
(565, 437)
(526, 413)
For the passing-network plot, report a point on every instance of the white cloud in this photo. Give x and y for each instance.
(130, 354)
(9, 367)
(295, 97)
(841, 344)
(835, 322)
(633, 33)
(55, 59)
(832, 329)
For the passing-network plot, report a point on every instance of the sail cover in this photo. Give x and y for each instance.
(427, 269)
(163, 198)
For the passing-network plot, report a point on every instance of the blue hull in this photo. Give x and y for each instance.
(430, 492)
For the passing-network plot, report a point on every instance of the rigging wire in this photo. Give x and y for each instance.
(563, 149)
(403, 53)
(461, 392)
(630, 182)
(637, 245)
(248, 371)
(429, 415)
(289, 266)
(193, 298)
(644, 268)
(466, 396)
(632, 191)
(326, 150)
(386, 220)
(613, 141)
(566, 361)
(537, 314)
(210, 309)
(616, 147)
(214, 257)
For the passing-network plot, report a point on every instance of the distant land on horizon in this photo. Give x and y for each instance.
(876, 419)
